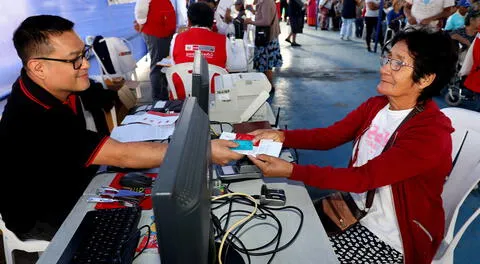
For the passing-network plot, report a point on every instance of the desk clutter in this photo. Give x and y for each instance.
(130, 194)
(110, 234)
(149, 122)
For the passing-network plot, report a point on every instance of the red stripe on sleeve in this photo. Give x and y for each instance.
(96, 150)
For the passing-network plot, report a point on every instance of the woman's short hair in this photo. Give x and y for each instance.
(31, 38)
(433, 53)
(200, 15)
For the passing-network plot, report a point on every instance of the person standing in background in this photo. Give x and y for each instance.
(158, 20)
(371, 20)
(267, 57)
(223, 17)
(427, 14)
(348, 17)
(457, 20)
(324, 7)
(312, 13)
(296, 13)
(359, 19)
(284, 9)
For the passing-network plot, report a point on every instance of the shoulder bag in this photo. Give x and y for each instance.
(262, 34)
(338, 211)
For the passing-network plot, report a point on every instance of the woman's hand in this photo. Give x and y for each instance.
(275, 135)
(221, 152)
(271, 166)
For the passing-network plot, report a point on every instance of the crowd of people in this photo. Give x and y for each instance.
(405, 222)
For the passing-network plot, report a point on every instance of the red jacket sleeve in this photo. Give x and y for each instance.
(418, 148)
(330, 137)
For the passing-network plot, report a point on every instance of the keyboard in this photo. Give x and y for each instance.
(105, 236)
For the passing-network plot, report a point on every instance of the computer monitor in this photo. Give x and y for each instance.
(181, 193)
(200, 81)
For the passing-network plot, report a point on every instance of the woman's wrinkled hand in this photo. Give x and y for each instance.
(275, 135)
(272, 166)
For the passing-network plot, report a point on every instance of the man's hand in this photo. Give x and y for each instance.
(221, 152)
(275, 135)
(137, 27)
(272, 167)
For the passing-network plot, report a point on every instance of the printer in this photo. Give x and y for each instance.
(239, 96)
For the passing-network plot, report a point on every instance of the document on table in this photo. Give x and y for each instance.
(151, 119)
(141, 132)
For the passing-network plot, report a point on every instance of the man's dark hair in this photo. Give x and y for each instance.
(433, 53)
(200, 15)
(471, 14)
(31, 37)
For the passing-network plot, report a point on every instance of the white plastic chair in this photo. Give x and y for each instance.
(127, 71)
(11, 242)
(184, 70)
(463, 178)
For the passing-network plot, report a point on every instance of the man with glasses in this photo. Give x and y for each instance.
(50, 155)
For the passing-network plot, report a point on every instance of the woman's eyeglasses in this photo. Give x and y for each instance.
(77, 62)
(395, 64)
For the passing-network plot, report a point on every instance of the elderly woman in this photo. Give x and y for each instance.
(405, 223)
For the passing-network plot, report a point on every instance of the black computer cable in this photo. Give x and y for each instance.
(264, 208)
(146, 243)
(263, 216)
(220, 231)
(275, 239)
(132, 236)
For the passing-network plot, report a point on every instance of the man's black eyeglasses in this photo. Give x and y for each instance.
(77, 62)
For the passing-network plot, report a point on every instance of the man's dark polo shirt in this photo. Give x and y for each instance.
(46, 156)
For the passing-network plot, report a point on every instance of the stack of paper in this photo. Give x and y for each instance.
(145, 127)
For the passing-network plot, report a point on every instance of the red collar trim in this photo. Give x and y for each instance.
(30, 95)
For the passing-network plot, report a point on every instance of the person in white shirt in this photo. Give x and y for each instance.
(428, 14)
(223, 17)
(371, 20)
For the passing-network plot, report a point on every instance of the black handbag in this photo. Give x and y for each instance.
(262, 34)
(338, 211)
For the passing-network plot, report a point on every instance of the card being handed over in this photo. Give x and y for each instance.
(246, 146)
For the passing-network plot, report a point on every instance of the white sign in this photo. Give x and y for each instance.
(117, 2)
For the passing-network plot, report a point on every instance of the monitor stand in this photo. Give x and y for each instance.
(233, 257)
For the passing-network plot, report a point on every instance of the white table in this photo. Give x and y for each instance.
(311, 245)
